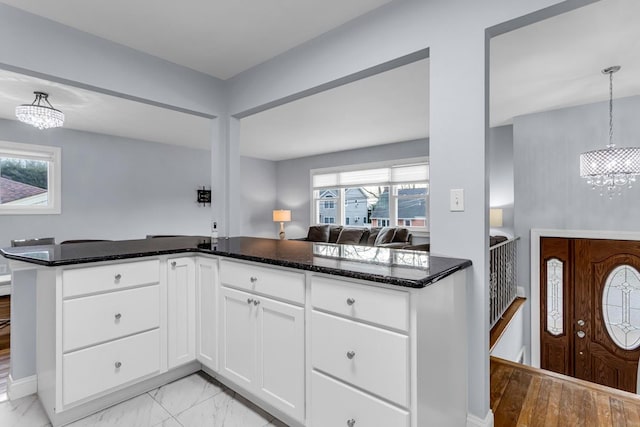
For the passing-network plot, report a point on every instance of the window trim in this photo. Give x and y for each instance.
(37, 152)
(418, 231)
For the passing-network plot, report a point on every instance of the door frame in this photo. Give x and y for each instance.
(536, 235)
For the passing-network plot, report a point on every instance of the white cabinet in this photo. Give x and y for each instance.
(262, 339)
(181, 310)
(207, 312)
(99, 329)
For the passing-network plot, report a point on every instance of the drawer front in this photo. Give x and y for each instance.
(98, 318)
(285, 285)
(336, 404)
(93, 370)
(82, 281)
(369, 303)
(371, 358)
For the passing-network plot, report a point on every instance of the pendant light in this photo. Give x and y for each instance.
(40, 113)
(610, 169)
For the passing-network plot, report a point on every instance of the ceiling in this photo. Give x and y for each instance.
(548, 65)
(94, 112)
(217, 37)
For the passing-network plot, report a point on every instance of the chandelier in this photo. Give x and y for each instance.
(610, 169)
(40, 113)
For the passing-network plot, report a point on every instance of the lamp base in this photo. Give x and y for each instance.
(281, 234)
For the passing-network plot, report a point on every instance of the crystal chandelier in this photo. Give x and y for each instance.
(40, 113)
(610, 169)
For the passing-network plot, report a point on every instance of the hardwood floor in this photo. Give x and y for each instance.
(526, 396)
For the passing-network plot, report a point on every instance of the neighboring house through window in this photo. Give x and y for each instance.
(29, 179)
(380, 195)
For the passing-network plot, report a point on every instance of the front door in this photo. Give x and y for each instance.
(590, 309)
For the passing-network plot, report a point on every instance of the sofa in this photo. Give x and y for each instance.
(387, 237)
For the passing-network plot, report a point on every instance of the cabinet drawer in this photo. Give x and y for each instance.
(285, 285)
(369, 303)
(371, 358)
(93, 370)
(335, 404)
(82, 281)
(98, 318)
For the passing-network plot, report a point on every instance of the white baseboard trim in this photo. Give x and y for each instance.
(473, 421)
(21, 387)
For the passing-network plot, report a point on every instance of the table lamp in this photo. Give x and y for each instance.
(281, 216)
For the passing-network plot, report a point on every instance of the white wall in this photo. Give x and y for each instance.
(258, 198)
(293, 179)
(549, 192)
(501, 174)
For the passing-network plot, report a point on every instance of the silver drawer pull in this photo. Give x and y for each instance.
(118, 365)
(350, 301)
(249, 300)
(118, 316)
(350, 355)
(253, 279)
(118, 276)
(173, 264)
(351, 422)
(256, 302)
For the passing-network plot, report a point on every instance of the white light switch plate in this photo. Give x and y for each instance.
(457, 200)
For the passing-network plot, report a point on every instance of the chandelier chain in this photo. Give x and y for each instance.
(611, 144)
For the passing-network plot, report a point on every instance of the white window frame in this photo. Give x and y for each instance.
(340, 211)
(54, 178)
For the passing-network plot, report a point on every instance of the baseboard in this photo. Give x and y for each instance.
(21, 387)
(473, 421)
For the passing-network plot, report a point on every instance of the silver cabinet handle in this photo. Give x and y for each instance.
(118, 365)
(581, 334)
(118, 316)
(253, 279)
(351, 422)
(173, 264)
(249, 300)
(118, 276)
(351, 354)
(256, 301)
(350, 301)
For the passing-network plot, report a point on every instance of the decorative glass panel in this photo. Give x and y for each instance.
(555, 280)
(621, 306)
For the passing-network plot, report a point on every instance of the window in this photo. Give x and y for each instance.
(329, 220)
(393, 195)
(29, 179)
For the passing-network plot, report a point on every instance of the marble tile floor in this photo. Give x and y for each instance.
(194, 401)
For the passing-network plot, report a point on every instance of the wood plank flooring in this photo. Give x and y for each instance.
(526, 396)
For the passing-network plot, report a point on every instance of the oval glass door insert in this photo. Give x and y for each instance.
(621, 306)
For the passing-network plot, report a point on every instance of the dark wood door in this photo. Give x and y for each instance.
(596, 336)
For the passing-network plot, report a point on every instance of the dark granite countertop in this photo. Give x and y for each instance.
(415, 269)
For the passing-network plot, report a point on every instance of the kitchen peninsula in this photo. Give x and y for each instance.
(317, 334)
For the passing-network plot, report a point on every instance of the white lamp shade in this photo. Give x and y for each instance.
(281, 215)
(495, 217)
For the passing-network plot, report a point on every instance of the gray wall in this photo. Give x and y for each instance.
(112, 188)
(258, 198)
(293, 176)
(549, 192)
(501, 174)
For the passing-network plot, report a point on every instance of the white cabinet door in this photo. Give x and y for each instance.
(206, 312)
(280, 355)
(238, 336)
(181, 296)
